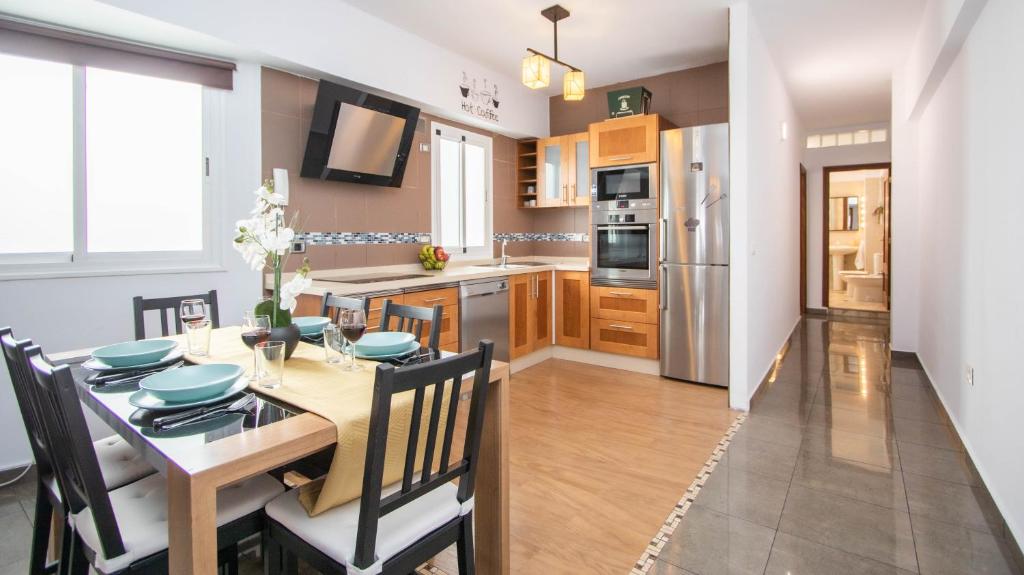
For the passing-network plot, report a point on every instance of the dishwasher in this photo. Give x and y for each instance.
(483, 308)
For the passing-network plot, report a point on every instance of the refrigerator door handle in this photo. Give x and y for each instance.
(663, 238)
(663, 301)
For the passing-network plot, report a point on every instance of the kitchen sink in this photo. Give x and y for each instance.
(514, 265)
(372, 279)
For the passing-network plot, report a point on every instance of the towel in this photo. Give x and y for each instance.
(859, 260)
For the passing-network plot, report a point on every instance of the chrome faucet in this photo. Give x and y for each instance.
(504, 256)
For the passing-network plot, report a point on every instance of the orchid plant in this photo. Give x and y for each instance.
(265, 243)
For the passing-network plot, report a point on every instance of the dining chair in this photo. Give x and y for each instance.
(333, 304)
(411, 318)
(392, 529)
(119, 463)
(125, 530)
(170, 304)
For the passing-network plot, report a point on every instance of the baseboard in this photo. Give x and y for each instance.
(1013, 534)
(771, 366)
(626, 362)
(816, 311)
(531, 359)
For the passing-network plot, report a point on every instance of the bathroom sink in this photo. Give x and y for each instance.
(841, 250)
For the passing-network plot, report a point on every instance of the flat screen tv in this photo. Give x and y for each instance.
(358, 137)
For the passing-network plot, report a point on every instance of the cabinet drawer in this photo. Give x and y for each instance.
(447, 297)
(627, 304)
(624, 337)
(376, 305)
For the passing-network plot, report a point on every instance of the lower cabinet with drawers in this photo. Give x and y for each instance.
(624, 320)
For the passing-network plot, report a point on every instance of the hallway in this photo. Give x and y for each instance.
(846, 464)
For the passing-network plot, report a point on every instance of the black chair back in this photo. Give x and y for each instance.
(333, 304)
(14, 353)
(390, 381)
(172, 304)
(74, 459)
(410, 319)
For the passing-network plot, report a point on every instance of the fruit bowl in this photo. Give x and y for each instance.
(435, 265)
(433, 257)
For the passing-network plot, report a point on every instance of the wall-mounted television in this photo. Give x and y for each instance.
(358, 137)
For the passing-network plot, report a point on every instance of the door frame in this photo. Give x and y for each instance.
(803, 239)
(826, 173)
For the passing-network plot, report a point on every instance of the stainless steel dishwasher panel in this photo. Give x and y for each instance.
(483, 311)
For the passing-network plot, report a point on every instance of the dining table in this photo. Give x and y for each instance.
(199, 459)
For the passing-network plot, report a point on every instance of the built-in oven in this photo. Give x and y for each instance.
(623, 247)
(619, 183)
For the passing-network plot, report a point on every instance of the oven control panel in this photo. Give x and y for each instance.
(615, 205)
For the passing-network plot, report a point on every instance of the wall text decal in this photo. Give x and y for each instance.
(480, 103)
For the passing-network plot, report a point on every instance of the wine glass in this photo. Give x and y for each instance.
(192, 310)
(353, 325)
(255, 329)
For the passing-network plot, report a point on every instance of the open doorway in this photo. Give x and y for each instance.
(856, 237)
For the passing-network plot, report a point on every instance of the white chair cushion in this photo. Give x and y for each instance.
(333, 532)
(119, 462)
(141, 511)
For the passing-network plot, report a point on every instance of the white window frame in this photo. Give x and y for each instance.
(487, 143)
(81, 263)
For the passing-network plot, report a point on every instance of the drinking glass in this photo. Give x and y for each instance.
(353, 325)
(270, 357)
(255, 330)
(197, 333)
(192, 310)
(334, 344)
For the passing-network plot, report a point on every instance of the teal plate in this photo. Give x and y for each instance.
(96, 365)
(192, 383)
(134, 353)
(145, 400)
(311, 325)
(409, 348)
(384, 342)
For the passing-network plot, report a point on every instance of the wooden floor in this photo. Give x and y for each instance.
(598, 459)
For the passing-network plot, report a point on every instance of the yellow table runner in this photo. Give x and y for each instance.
(344, 398)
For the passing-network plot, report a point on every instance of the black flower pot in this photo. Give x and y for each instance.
(289, 334)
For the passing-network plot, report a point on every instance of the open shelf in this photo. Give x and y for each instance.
(526, 171)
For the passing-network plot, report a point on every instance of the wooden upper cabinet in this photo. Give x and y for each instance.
(621, 141)
(572, 309)
(563, 171)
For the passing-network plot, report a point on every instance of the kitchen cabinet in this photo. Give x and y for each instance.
(623, 303)
(447, 297)
(572, 309)
(529, 313)
(622, 141)
(624, 337)
(563, 171)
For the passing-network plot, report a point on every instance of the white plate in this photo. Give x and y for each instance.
(97, 365)
(146, 400)
(413, 346)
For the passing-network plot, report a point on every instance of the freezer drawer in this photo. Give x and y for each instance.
(695, 323)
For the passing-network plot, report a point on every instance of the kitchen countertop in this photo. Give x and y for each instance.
(455, 272)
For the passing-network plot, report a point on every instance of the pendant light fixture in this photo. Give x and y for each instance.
(537, 65)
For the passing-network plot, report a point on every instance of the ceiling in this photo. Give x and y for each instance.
(610, 40)
(837, 56)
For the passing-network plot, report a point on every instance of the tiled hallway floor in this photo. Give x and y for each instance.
(843, 466)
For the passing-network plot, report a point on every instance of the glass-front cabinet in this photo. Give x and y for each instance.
(564, 175)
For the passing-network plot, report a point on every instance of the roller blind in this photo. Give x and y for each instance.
(77, 48)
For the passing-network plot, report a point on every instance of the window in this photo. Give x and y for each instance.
(104, 171)
(461, 165)
(847, 138)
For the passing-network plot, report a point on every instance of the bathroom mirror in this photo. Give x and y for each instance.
(844, 214)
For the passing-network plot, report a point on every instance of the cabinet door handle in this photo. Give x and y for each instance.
(619, 158)
(572, 199)
(621, 293)
(373, 309)
(618, 326)
(433, 299)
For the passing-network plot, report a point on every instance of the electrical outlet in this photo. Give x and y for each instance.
(969, 375)
(298, 247)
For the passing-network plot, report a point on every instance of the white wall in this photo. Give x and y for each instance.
(337, 39)
(765, 208)
(814, 160)
(72, 313)
(965, 148)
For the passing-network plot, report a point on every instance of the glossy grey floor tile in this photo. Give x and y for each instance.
(665, 568)
(952, 503)
(710, 543)
(852, 420)
(849, 525)
(770, 429)
(877, 451)
(763, 457)
(797, 556)
(938, 463)
(16, 540)
(945, 549)
(872, 484)
(924, 433)
(751, 496)
(918, 410)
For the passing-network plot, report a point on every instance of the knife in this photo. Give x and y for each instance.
(118, 378)
(168, 422)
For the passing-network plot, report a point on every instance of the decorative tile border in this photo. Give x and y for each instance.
(372, 238)
(654, 548)
(542, 237)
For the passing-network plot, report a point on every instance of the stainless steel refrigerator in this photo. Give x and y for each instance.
(694, 254)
